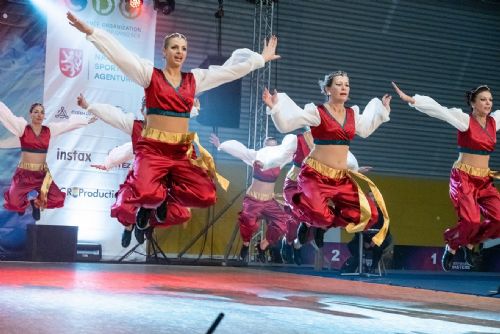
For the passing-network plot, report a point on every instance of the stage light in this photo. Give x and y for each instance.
(135, 3)
(165, 6)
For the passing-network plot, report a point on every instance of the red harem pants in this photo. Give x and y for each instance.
(473, 194)
(126, 212)
(156, 160)
(268, 209)
(26, 180)
(328, 198)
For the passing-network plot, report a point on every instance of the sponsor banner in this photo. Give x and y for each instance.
(73, 66)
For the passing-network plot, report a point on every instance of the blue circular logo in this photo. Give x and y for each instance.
(76, 5)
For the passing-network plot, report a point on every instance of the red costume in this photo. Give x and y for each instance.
(472, 191)
(29, 177)
(291, 187)
(126, 212)
(263, 206)
(320, 184)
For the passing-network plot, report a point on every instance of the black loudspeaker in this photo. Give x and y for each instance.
(51, 243)
(220, 106)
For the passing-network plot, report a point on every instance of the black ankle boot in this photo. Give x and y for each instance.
(469, 256)
(142, 218)
(261, 254)
(447, 260)
(126, 238)
(302, 233)
(139, 235)
(244, 253)
(161, 212)
(319, 235)
(36, 211)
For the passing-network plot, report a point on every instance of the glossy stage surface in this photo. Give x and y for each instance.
(138, 298)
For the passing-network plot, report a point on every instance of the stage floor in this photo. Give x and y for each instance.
(137, 298)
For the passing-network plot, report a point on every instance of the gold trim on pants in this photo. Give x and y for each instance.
(33, 167)
(364, 206)
(476, 171)
(260, 196)
(205, 161)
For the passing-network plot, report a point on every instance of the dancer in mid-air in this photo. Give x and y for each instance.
(328, 195)
(259, 202)
(471, 181)
(32, 173)
(166, 147)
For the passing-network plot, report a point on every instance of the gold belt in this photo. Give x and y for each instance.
(260, 196)
(364, 206)
(205, 161)
(33, 167)
(168, 137)
(476, 171)
(325, 170)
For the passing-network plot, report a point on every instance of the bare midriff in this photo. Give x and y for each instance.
(262, 187)
(474, 160)
(33, 158)
(334, 156)
(168, 123)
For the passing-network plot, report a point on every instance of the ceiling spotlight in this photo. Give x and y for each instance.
(165, 6)
(135, 3)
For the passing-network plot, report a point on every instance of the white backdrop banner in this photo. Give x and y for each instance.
(73, 66)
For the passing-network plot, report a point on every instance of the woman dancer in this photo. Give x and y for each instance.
(291, 245)
(166, 147)
(125, 213)
(32, 173)
(471, 181)
(259, 201)
(324, 178)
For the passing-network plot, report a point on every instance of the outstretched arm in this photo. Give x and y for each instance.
(286, 115)
(496, 115)
(117, 156)
(10, 142)
(279, 155)
(14, 124)
(235, 148)
(241, 62)
(73, 123)
(376, 112)
(109, 114)
(137, 69)
(427, 105)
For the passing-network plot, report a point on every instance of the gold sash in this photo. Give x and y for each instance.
(364, 206)
(205, 161)
(476, 171)
(293, 173)
(260, 196)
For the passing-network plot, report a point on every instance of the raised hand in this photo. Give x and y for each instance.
(269, 51)
(214, 140)
(364, 169)
(92, 119)
(270, 99)
(402, 94)
(196, 103)
(101, 167)
(386, 101)
(80, 25)
(81, 101)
